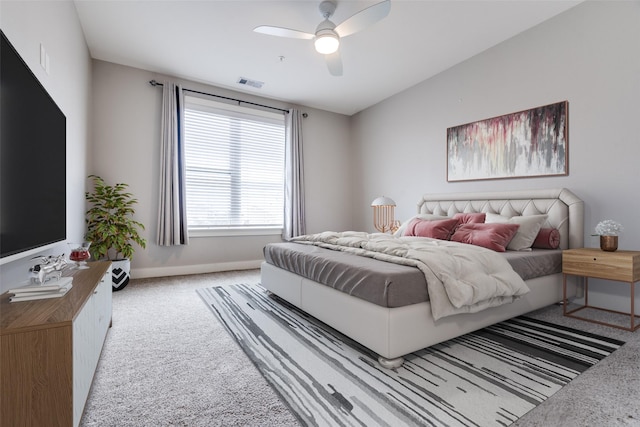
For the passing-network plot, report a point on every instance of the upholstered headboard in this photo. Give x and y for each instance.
(565, 211)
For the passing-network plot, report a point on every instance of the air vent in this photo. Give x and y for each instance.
(249, 82)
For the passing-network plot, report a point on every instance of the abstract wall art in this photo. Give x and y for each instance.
(524, 144)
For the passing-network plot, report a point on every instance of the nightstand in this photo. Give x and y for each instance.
(620, 266)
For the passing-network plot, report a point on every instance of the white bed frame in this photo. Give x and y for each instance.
(395, 332)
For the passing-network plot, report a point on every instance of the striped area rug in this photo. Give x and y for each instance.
(488, 378)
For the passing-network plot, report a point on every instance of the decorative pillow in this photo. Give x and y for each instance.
(548, 238)
(529, 227)
(491, 236)
(437, 229)
(470, 218)
(430, 217)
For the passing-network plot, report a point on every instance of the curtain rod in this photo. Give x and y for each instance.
(155, 83)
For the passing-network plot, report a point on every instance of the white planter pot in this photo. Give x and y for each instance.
(120, 272)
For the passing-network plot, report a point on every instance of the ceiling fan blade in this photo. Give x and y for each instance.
(364, 18)
(283, 32)
(334, 63)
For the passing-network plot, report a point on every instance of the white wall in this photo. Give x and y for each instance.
(125, 148)
(55, 24)
(589, 55)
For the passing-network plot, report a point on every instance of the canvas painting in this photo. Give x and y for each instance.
(524, 144)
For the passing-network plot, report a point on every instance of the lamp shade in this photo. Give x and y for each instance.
(383, 201)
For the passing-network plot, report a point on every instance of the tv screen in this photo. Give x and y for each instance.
(32, 160)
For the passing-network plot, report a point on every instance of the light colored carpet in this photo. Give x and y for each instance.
(168, 362)
(604, 396)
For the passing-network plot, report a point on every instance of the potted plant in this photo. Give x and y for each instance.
(111, 228)
(608, 231)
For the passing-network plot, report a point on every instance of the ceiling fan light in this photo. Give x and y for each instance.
(326, 42)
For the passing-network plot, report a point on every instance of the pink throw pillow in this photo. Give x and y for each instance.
(471, 218)
(547, 238)
(491, 236)
(436, 229)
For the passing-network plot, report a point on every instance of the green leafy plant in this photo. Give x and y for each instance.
(111, 228)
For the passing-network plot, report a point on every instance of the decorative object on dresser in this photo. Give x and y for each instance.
(79, 254)
(55, 288)
(50, 350)
(608, 230)
(524, 144)
(383, 214)
(621, 266)
(112, 229)
(49, 267)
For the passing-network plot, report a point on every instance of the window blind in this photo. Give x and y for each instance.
(234, 166)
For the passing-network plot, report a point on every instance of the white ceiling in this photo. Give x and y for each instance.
(213, 42)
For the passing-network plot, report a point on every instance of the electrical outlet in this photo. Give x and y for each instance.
(44, 58)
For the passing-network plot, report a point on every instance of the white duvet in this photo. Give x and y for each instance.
(461, 278)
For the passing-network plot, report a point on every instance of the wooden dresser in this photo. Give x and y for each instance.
(49, 350)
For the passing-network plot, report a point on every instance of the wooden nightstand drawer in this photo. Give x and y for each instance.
(622, 266)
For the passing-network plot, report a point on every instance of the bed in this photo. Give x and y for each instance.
(401, 324)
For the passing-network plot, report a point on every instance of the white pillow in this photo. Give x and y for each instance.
(429, 217)
(527, 232)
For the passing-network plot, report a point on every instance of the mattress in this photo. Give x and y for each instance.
(383, 283)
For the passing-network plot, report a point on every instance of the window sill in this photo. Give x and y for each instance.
(222, 232)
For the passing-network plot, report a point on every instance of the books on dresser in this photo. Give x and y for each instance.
(46, 290)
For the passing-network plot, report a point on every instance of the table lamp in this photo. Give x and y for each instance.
(383, 214)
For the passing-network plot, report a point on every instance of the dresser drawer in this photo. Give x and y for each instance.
(623, 266)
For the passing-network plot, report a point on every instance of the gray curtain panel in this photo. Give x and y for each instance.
(172, 212)
(294, 218)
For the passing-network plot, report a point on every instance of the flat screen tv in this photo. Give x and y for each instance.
(33, 142)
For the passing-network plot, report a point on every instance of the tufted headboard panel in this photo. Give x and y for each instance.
(565, 211)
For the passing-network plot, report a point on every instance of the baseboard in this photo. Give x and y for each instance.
(180, 270)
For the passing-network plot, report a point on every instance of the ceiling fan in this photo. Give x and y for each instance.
(327, 36)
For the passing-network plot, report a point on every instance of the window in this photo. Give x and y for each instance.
(234, 167)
